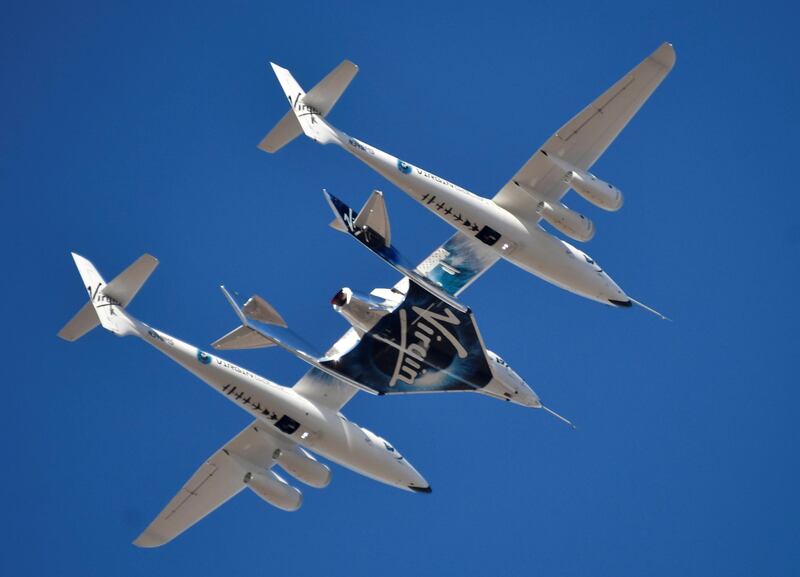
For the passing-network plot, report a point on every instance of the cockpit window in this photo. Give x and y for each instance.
(500, 361)
(392, 450)
(591, 262)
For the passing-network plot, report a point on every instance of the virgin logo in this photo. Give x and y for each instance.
(430, 326)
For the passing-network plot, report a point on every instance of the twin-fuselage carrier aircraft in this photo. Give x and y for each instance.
(414, 337)
(506, 226)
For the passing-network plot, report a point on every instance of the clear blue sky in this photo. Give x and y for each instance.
(131, 128)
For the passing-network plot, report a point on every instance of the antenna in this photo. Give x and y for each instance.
(647, 308)
(559, 417)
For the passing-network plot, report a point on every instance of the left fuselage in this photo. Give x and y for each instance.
(525, 244)
(290, 414)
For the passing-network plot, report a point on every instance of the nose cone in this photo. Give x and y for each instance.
(526, 397)
(517, 392)
(613, 294)
(416, 482)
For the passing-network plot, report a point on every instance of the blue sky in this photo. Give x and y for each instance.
(131, 128)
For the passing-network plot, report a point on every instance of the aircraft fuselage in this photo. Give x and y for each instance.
(525, 244)
(291, 415)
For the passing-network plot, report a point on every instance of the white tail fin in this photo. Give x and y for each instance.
(107, 301)
(373, 215)
(308, 109)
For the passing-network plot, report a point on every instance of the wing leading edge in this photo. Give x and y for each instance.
(582, 140)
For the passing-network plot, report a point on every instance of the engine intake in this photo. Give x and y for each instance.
(302, 466)
(571, 223)
(596, 191)
(363, 311)
(274, 490)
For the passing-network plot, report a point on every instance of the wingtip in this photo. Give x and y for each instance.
(149, 257)
(148, 540)
(664, 55)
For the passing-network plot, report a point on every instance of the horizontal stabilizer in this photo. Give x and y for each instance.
(81, 323)
(258, 309)
(282, 133)
(255, 333)
(127, 283)
(259, 317)
(242, 338)
(324, 96)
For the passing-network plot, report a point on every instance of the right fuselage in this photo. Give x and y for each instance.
(526, 244)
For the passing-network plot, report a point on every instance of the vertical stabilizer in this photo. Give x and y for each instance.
(107, 302)
(308, 109)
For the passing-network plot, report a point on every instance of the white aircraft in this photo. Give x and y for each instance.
(287, 420)
(508, 223)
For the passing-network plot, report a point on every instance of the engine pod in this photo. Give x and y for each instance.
(596, 191)
(274, 490)
(571, 223)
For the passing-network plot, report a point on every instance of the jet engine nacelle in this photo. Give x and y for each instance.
(302, 466)
(571, 223)
(274, 490)
(596, 191)
(363, 311)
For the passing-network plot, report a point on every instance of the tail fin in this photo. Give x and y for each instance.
(308, 109)
(107, 301)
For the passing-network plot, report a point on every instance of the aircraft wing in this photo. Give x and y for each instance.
(582, 140)
(457, 263)
(325, 389)
(446, 272)
(423, 345)
(217, 480)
